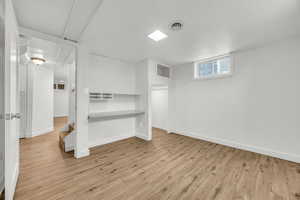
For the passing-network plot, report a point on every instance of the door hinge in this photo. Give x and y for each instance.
(10, 116)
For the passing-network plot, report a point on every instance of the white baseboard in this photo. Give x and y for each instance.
(142, 136)
(11, 187)
(103, 141)
(42, 131)
(164, 129)
(60, 116)
(82, 153)
(157, 127)
(69, 148)
(260, 150)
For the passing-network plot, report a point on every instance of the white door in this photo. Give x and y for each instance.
(11, 102)
(2, 110)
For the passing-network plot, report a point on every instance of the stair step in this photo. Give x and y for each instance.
(63, 134)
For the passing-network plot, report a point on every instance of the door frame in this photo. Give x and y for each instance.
(2, 100)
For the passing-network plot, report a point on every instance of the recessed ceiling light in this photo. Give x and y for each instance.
(157, 35)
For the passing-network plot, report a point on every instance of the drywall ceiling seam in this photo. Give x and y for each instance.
(69, 17)
(90, 18)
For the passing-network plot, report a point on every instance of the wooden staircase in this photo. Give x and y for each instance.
(66, 137)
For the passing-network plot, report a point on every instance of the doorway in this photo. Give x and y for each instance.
(159, 104)
(46, 74)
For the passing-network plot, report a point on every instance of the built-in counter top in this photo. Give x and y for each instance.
(114, 114)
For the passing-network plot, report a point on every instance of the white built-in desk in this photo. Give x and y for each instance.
(114, 114)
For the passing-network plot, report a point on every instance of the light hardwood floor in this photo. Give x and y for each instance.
(169, 167)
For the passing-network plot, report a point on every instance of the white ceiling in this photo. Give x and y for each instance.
(119, 28)
(56, 55)
(211, 27)
(53, 53)
(62, 18)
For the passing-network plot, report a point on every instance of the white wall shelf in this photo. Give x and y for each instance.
(127, 94)
(95, 96)
(127, 113)
(103, 96)
(116, 93)
(115, 114)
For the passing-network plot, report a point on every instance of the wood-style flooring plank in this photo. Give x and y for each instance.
(169, 167)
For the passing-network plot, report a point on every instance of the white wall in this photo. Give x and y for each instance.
(143, 87)
(82, 102)
(155, 79)
(160, 108)
(23, 98)
(61, 102)
(110, 75)
(159, 96)
(255, 109)
(72, 93)
(42, 101)
(61, 97)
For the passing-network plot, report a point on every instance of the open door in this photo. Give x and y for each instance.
(11, 114)
(2, 110)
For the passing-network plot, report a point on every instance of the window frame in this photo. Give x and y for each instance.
(214, 76)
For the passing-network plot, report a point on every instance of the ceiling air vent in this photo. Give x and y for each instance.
(176, 26)
(163, 71)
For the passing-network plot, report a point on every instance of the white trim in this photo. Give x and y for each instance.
(69, 17)
(214, 76)
(110, 140)
(207, 59)
(64, 115)
(264, 151)
(159, 87)
(69, 148)
(10, 189)
(2, 183)
(42, 131)
(90, 18)
(82, 153)
(142, 136)
(45, 36)
(161, 128)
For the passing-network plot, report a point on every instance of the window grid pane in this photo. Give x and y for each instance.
(214, 68)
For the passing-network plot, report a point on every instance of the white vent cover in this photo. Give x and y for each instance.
(163, 71)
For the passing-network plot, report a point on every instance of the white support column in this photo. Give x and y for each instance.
(82, 103)
(143, 84)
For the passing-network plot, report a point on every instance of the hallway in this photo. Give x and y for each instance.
(37, 155)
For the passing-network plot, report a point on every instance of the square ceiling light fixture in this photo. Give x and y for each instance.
(157, 35)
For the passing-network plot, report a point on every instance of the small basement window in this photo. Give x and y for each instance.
(213, 68)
